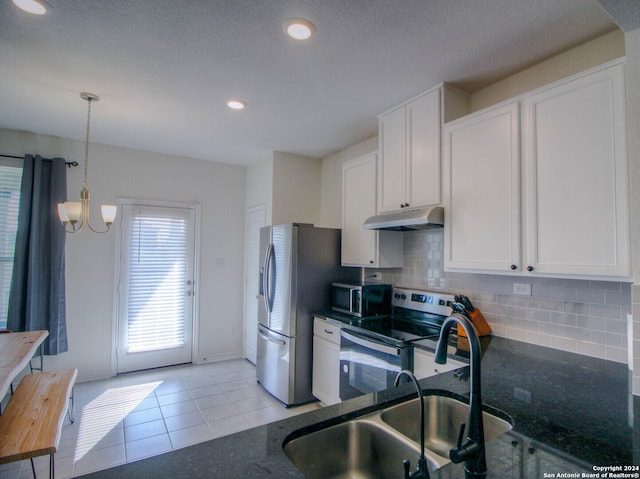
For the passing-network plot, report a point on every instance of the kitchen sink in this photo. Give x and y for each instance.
(442, 416)
(358, 448)
(374, 446)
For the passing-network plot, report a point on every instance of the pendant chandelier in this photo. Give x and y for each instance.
(74, 215)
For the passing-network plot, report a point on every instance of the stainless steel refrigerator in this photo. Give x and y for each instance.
(299, 263)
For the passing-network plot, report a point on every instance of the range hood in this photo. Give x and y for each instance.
(409, 219)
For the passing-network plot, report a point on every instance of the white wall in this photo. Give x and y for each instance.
(583, 57)
(331, 210)
(296, 189)
(117, 172)
(260, 186)
(289, 187)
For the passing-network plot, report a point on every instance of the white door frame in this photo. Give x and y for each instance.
(249, 275)
(116, 276)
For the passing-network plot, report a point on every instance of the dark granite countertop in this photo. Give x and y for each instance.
(576, 406)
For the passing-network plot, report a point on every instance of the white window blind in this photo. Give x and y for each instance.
(10, 182)
(157, 277)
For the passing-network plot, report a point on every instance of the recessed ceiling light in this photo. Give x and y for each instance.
(37, 7)
(299, 28)
(236, 104)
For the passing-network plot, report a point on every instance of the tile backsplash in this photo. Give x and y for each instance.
(582, 316)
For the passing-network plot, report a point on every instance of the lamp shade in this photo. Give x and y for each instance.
(73, 209)
(109, 213)
(62, 213)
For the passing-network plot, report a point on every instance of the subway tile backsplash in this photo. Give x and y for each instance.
(582, 316)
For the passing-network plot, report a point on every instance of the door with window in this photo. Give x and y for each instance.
(156, 286)
(10, 182)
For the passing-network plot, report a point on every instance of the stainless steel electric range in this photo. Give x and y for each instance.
(373, 350)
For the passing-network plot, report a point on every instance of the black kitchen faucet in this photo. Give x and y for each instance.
(422, 471)
(470, 450)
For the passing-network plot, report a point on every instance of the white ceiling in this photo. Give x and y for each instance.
(165, 68)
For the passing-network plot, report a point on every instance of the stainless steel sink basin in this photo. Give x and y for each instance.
(373, 446)
(358, 448)
(443, 416)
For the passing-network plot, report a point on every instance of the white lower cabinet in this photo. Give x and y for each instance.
(539, 186)
(326, 361)
(424, 364)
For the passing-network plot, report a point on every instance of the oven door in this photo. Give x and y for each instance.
(367, 365)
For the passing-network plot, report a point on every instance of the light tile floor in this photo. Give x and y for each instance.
(138, 415)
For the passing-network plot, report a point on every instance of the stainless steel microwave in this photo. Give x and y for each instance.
(361, 300)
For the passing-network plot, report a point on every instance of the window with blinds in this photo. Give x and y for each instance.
(10, 182)
(156, 284)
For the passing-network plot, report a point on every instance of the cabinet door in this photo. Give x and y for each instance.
(422, 171)
(359, 246)
(576, 177)
(326, 371)
(391, 166)
(482, 191)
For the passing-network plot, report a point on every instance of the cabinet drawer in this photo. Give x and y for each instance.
(324, 329)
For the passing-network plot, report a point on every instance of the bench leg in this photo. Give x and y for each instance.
(41, 368)
(71, 410)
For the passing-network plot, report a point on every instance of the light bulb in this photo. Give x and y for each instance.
(299, 28)
(236, 104)
(36, 7)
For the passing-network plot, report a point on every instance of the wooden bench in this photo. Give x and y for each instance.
(16, 351)
(32, 422)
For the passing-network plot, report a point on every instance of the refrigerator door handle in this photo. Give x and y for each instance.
(266, 276)
(261, 282)
(270, 338)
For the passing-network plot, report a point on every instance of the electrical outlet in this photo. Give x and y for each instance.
(523, 289)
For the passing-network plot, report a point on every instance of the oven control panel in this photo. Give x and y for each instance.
(424, 301)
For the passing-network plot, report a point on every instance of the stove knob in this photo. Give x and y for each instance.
(403, 296)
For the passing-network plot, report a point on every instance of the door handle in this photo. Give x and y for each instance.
(266, 274)
(270, 338)
(369, 343)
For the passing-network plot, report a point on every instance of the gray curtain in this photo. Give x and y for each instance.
(37, 297)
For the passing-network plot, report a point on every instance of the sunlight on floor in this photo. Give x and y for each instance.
(105, 412)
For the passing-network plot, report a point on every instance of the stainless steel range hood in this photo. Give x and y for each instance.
(409, 219)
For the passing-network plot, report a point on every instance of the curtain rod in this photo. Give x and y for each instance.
(70, 164)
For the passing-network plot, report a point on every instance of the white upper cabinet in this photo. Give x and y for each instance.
(561, 199)
(409, 163)
(360, 247)
(482, 191)
(576, 177)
